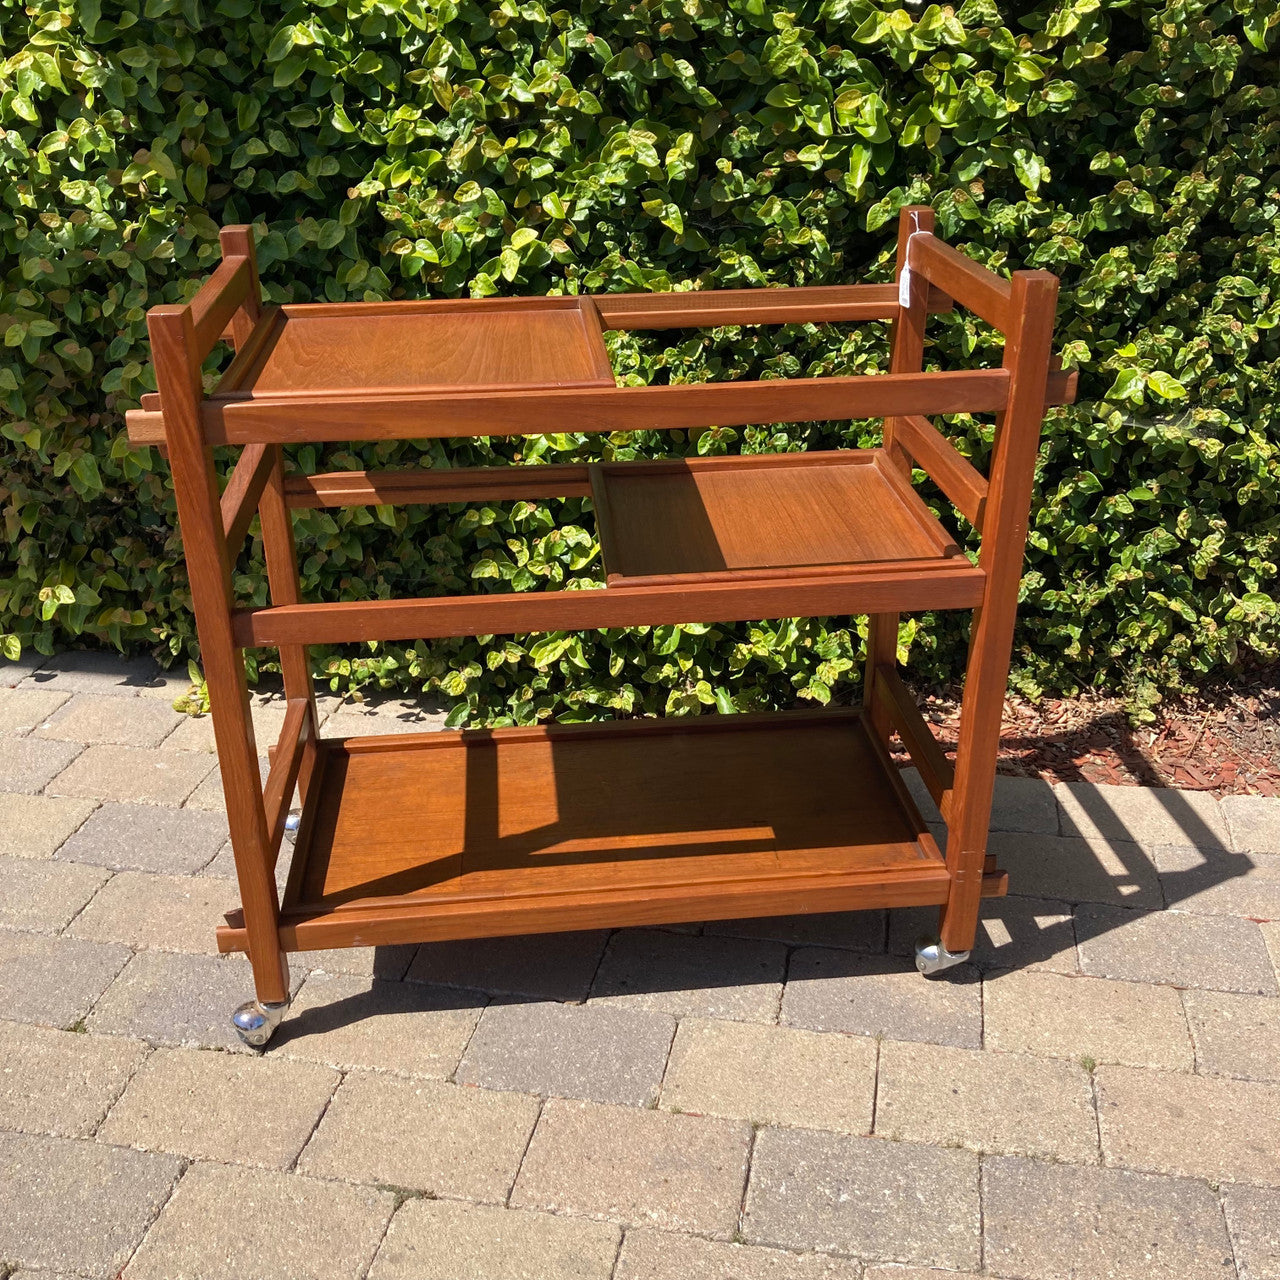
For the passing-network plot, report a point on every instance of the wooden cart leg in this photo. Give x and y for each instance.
(282, 577)
(177, 367)
(1027, 353)
(906, 355)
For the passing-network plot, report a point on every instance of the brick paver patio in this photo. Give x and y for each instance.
(1096, 1095)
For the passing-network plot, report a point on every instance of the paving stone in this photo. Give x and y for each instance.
(863, 1196)
(882, 996)
(106, 673)
(208, 795)
(598, 1052)
(42, 896)
(160, 913)
(144, 837)
(1219, 953)
(22, 710)
(131, 775)
(443, 1240)
(772, 1075)
(127, 722)
(1006, 1102)
(692, 976)
(895, 1272)
(659, 1255)
(851, 930)
(230, 1224)
(443, 1139)
(77, 1206)
(548, 966)
(1253, 821)
(176, 999)
(13, 673)
(1070, 869)
(1271, 937)
(346, 1021)
(1067, 1222)
(221, 1106)
(1144, 815)
(1134, 1023)
(1216, 883)
(61, 1082)
(195, 733)
(640, 1168)
(1253, 1219)
(1198, 1126)
(30, 764)
(54, 981)
(223, 866)
(1235, 1035)
(1019, 804)
(380, 716)
(34, 826)
(389, 963)
(1013, 933)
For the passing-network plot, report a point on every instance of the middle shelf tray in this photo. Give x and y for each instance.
(482, 833)
(763, 516)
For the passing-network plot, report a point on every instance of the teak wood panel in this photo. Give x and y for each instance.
(520, 821)
(732, 518)
(411, 350)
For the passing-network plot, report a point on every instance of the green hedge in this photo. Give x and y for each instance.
(404, 148)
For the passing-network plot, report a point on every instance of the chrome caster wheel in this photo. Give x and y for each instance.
(256, 1022)
(933, 958)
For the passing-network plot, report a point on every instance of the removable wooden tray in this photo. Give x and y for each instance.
(483, 833)
(762, 516)
(345, 349)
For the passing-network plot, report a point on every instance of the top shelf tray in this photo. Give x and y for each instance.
(405, 347)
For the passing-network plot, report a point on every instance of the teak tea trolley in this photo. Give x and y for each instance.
(422, 837)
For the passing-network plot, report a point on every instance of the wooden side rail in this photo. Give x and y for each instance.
(244, 489)
(600, 409)
(297, 739)
(969, 283)
(709, 308)
(927, 756)
(463, 484)
(214, 307)
(953, 473)
(875, 590)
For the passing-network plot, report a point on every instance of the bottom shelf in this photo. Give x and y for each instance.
(429, 837)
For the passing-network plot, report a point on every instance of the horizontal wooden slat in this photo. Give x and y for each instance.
(240, 497)
(927, 756)
(953, 473)
(883, 589)
(596, 409)
(475, 484)
(283, 418)
(971, 285)
(295, 737)
(812, 304)
(218, 300)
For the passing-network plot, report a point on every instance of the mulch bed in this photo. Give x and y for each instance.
(1224, 739)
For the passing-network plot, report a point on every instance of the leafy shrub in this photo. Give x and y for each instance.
(400, 149)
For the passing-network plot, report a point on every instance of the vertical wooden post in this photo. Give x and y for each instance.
(906, 355)
(277, 525)
(1027, 354)
(195, 486)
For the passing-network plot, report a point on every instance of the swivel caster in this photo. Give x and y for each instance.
(932, 958)
(255, 1022)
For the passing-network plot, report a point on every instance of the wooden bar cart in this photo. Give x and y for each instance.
(467, 834)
